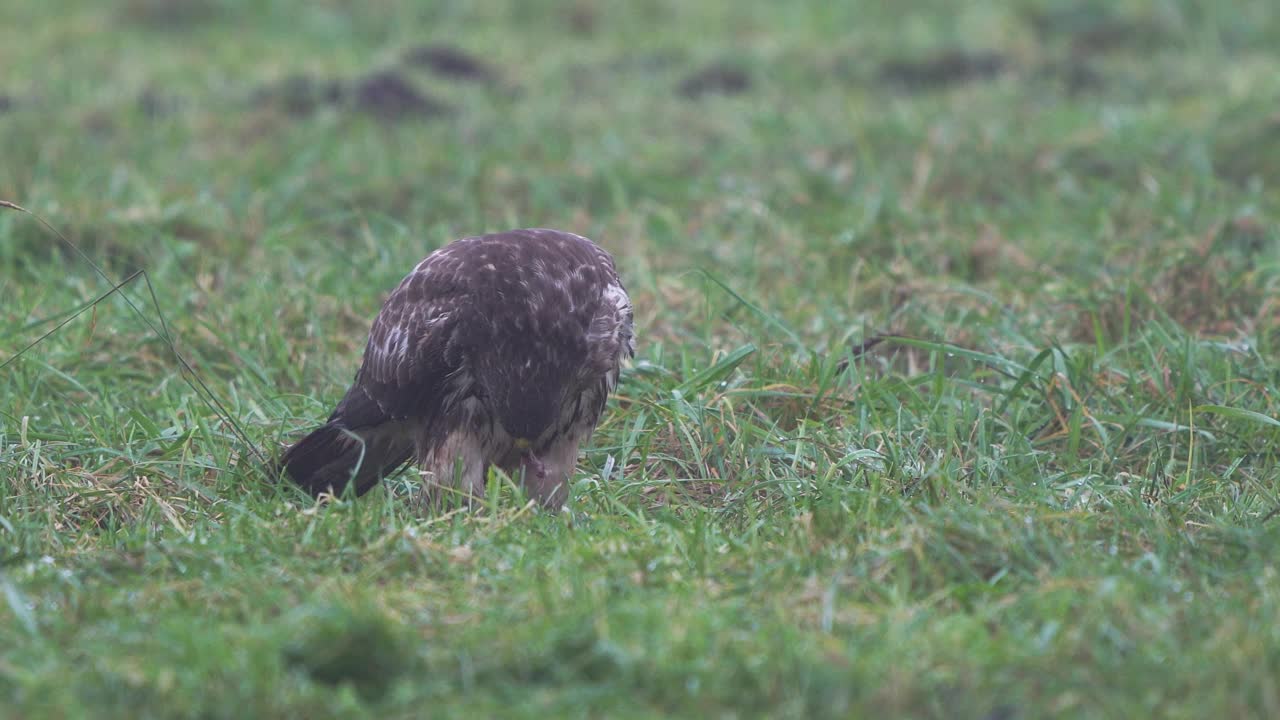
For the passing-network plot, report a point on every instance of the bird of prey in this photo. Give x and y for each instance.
(497, 350)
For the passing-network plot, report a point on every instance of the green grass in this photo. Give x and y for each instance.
(1053, 500)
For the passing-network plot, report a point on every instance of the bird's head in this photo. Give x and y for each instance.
(524, 397)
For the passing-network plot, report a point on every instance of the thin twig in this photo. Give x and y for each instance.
(192, 379)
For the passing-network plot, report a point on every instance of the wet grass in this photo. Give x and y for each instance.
(1052, 496)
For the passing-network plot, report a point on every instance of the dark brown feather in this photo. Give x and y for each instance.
(514, 336)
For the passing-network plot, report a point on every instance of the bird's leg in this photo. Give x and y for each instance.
(454, 470)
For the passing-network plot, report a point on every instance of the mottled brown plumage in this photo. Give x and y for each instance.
(496, 350)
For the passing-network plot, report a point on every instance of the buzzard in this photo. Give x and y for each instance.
(497, 350)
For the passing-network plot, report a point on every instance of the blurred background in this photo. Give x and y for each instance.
(1058, 498)
(921, 166)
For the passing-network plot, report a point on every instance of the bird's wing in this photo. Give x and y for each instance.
(411, 365)
(611, 335)
(610, 338)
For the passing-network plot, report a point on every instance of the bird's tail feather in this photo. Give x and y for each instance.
(331, 456)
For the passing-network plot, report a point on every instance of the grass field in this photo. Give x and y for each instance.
(1053, 499)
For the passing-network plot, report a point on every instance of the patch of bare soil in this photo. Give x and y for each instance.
(170, 15)
(451, 62)
(299, 94)
(156, 104)
(385, 94)
(717, 78)
(389, 95)
(945, 69)
(1076, 75)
